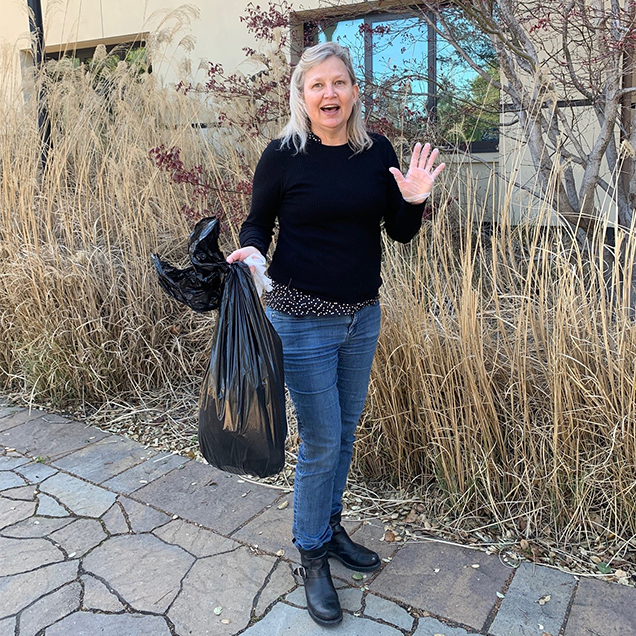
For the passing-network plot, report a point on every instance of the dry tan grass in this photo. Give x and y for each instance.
(504, 380)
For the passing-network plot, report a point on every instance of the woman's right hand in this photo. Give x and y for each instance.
(242, 254)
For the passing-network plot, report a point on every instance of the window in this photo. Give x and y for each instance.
(128, 48)
(414, 81)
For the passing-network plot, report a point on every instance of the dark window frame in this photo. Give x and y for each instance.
(85, 50)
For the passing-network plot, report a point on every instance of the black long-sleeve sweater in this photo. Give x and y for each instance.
(329, 204)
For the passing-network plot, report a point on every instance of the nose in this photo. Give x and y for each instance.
(329, 90)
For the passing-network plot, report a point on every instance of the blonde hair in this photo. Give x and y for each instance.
(297, 129)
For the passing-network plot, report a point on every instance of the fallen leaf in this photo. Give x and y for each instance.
(544, 599)
(389, 536)
(500, 595)
(283, 505)
(523, 544)
(280, 553)
(595, 559)
(225, 621)
(356, 576)
(475, 565)
(603, 568)
(217, 610)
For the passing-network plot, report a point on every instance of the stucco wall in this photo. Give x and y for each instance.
(216, 34)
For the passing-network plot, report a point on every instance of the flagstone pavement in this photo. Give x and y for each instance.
(101, 535)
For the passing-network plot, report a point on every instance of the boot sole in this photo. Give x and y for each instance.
(368, 568)
(325, 623)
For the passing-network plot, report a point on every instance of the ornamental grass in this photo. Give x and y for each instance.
(504, 384)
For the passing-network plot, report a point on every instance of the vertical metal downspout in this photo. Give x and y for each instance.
(36, 26)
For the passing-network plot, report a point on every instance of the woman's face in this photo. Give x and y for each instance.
(329, 98)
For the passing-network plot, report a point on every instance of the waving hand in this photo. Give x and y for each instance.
(418, 182)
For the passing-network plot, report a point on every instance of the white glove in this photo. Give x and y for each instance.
(258, 262)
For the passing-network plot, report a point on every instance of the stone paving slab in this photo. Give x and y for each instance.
(231, 582)
(51, 436)
(9, 463)
(98, 597)
(115, 521)
(602, 609)
(80, 497)
(104, 459)
(22, 555)
(429, 626)
(285, 620)
(34, 528)
(142, 569)
(537, 600)
(21, 493)
(137, 477)
(280, 582)
(16, 416)
(271, 531)
(49, 507)
(10, 480)
(207, 496)
(19, 591)
(141, 517)
(35, 472)
(90, 624)
(80, 536)
(7, 627)
(49, 609)
(370, 534)
(377, 607)
(197, 541)
(13, 511)
(441, 579)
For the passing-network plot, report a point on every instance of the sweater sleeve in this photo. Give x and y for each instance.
(258, 227)
(402, 220)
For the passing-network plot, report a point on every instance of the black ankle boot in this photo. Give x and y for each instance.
(350, 554)
(322, 599)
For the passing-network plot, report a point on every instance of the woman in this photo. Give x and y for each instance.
(328, 184)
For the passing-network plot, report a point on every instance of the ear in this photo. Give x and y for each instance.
(356, 92)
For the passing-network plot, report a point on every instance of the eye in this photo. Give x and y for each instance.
(317, 85)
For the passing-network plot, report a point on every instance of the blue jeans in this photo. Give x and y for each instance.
(327, 366)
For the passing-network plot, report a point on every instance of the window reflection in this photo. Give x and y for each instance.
(414, 82)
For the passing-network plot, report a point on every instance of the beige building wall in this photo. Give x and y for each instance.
(516, 163)
(190, 34)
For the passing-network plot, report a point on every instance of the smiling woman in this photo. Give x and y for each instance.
(330, 94)
(331, 187)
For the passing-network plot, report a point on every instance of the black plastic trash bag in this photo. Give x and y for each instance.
(199, 287)
(242, 423)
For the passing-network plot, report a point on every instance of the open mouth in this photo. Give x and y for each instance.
(330, 109)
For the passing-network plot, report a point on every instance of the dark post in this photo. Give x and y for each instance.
(36, 26)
